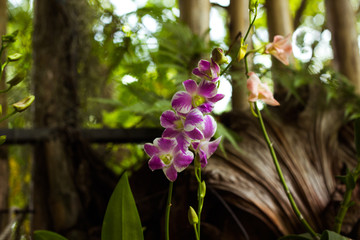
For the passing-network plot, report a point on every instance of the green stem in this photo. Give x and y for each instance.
(227, 67)
(200, 200)
(196, 233)
(282, 179)
(346, 203)
(167, 214)
(251, 24)
(7, 89)
(7, 116)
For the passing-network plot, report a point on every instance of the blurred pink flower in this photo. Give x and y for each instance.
(259, 91)
(280, 48)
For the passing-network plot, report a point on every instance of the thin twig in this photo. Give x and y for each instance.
(299, 13)
(231, 212)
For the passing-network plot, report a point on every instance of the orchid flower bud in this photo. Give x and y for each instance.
(218, 56)
(24, 103)
(16, 80)
(14, 57)
(203, 189)
(242, 52)
(9, 37)
(192, 216)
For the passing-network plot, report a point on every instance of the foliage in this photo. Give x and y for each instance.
(122, 221)
(47, 235)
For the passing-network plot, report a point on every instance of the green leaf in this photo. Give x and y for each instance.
(47, 235)
(229, 135)
(350, 181)
(303, 236)
(2, 139)
(329, 235)
(122, 221)
(357, 137)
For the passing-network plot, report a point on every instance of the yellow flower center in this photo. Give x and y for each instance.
(166, 159)
(198, 100)
(178, 124)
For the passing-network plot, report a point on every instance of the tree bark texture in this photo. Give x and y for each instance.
(313, 146)
(4, 164)
(67, 195)
(239, 22)
(56, 202)
(196, 15)
(342, 24)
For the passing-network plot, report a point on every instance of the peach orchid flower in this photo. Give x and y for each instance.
(259, 91)
(280, 48)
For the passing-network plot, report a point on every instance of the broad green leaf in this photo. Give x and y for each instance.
(47, 235)
(329, 235)
(122, 221)
(303, 236)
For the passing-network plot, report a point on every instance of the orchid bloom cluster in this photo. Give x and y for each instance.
(188, 126)
(281, 49)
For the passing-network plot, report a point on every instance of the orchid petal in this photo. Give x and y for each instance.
(168, 119)
(150, 149)
(170, 133)
(195, 145)
(212, 146)
(204, 65)
(206, 107)
(203, 158)
(170, 173)
(207, 89)
(182, 102)
(216, 98)
(190, 86)
(197, 72)
(210, 126)
(271, 102)
(215, 69)
(155, 163)
(183, 142)
(194, 118)
(195, 134)
(165, 144)
(183, 160)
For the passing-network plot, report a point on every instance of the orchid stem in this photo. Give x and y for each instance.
(346, 203)
(200, 200)
(7, 116)
(196, 233)
(251, 24)
(167, 214)
(282, 179)
(227, 67)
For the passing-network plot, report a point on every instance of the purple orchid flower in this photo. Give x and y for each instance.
(204, 147)
(165, 154)
(202, 96)
(183, 128)
(207, 70)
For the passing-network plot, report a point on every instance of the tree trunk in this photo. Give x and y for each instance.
(56, 201)
(342, 24)
(239, 22)
(279, 22)
(71, 186)
(4, 164)
(196, 15)
(279, 18)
